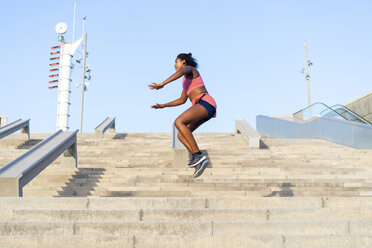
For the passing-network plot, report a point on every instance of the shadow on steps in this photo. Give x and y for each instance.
(120, 136)
(29, 144)
(285, 191)
(82, 182)
(263, 145)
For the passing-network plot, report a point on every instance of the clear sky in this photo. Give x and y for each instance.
(250, 55)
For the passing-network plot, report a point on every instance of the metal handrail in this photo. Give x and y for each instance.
(17, 173)
(359, 117)
(15, 126)
(302, 110)
(108, 123)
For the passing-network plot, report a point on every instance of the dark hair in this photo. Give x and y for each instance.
(188, 58)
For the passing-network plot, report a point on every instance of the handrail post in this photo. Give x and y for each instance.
(176, 143)
(112, 128)
(69, 159)
(107, 124)
(3, 120)
(10, 187)
(26, 130)
(180, 153)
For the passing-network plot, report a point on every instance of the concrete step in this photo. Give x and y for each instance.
(191, 186)
(181, 228)
(214, 169)
(188, 193)
(255, 214)
(58, 169)
(60, 181)
(208, 241)
(211, 176)
(219, 202)
(168, 180)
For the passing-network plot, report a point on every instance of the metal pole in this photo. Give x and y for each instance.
(307, 78)
(73, 25)
(82, 84)
(84, 23)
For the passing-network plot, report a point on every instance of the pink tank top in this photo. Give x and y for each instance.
(189, 85)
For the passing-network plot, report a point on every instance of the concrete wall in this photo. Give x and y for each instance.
(362, 106)
(283, 117)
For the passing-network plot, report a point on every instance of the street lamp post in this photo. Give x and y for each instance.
(83, 83)
(307, 64)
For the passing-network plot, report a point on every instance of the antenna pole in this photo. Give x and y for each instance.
(73, 25)
(82, 84)
(84, 23)
(307, 77)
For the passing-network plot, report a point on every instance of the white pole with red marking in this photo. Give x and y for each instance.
(67, 50)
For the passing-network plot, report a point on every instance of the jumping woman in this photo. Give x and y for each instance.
(203, 107)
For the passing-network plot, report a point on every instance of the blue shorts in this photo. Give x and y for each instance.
(210, 109)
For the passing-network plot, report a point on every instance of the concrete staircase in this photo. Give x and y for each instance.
(127, 193)
(142, 165)
(186, 222)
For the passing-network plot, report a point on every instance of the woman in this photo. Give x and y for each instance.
(203, 107)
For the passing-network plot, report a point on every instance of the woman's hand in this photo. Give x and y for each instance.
(154, 86)
(157, 106)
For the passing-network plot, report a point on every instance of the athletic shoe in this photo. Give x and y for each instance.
(197, 159)
(200, 168)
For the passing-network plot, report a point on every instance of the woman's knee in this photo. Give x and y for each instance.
(178, 123)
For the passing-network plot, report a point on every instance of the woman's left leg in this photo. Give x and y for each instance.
(192, 127)
(192, 115)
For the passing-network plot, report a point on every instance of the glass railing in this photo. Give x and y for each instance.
(321, 109)
(349, 114)
(316, 109)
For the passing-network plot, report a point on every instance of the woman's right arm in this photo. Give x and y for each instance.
(184, 71)
(174, 103)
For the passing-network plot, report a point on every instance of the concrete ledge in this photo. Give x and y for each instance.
(13, 127)
(16, 174)
(107, 124)
(241, 126)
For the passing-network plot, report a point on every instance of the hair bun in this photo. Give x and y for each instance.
(190, 54)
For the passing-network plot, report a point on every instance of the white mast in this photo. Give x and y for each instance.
(67, 50)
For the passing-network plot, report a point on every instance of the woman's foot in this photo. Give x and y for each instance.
(200, 168)
(196, 159)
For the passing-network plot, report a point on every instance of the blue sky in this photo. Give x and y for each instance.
(250, 55)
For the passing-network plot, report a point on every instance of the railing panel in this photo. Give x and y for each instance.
(353, 134)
